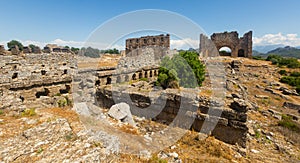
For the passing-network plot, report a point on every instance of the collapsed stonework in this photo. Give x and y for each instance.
(34, 81)
(240, 47)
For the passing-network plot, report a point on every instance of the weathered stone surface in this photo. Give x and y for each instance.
(36, 50)
(121, 112)
(32, 81)
(55, 141)
(15, 50)
(133, 44)
(287, 91)
(2, 50)
(239, 105)
(27, 49)
(291, 105)
(235, 64)
(262, 96)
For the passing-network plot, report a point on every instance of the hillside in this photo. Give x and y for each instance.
(287, 51)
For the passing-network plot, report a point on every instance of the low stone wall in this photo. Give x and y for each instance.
(230, 127)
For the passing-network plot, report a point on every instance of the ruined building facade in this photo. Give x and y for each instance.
(134, 44)
(29, 80)
(240, 47)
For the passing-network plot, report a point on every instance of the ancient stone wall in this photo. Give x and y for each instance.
(231, 122)
(240, 47)
(146, 41)
(33, 80)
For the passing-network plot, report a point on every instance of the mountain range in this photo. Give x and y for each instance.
(286, 51)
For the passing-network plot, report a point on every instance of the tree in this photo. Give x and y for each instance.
(184, 69)
(32, 46)
(12, 43)
(90, 52)
(75, 50)
(111, 51)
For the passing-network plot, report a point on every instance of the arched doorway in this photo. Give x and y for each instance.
(241, 53)
(134, 77)
(225, 51)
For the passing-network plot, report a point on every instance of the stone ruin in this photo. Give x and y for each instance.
(57, 49)
(240, 47)
(34, 81)
(2, 50)
(15, 50)
(133, 44)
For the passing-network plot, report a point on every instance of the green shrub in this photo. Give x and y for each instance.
(292, 81)
(144, 79)
(29, 112)
(281, 61)
(282, 72)
(167, 78)
(295, 74)
(1, 112)
(184, 69)
(287, 122)
(64, 102)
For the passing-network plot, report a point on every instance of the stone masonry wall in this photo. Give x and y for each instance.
(132, 44)
(231, 125)
(34, 80)
(240, 47)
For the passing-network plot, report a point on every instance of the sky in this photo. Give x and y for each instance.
(71, 22)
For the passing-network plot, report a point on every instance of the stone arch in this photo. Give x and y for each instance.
(140, 75)
(146, 74)
(225, 51)
(134, 76)
(151, 74)
(229, 39)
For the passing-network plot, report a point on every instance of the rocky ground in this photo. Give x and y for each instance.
(60, 135)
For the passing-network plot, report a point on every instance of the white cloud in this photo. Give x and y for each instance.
(279, 38)
(184, 44)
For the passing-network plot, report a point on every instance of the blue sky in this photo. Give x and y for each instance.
(71, 22)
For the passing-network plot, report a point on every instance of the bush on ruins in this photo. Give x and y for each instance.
(183, 69)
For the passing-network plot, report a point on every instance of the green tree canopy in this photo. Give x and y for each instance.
(184, 68)
(12, 43)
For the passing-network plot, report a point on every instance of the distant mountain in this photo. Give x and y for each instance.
(266, 48)
(257, 53)
(287, 51)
